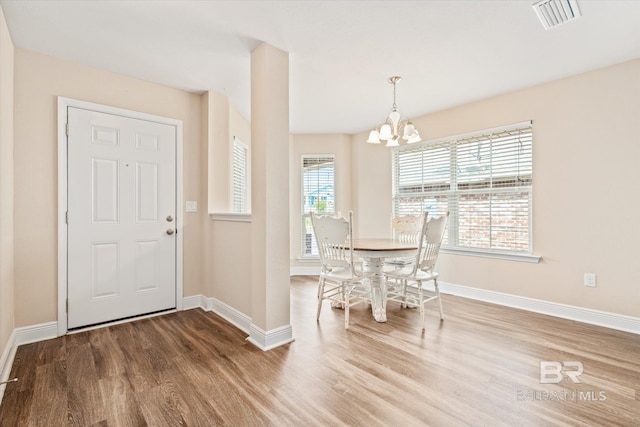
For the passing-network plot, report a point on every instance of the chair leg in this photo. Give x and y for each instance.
(404, 292)
(320, 297)
(403, 285)
(435, 285)
(346, 311)
(421, 302)
(320, 287)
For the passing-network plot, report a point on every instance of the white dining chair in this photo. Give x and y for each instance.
(406, 229)
(340, 282)
(407, 285)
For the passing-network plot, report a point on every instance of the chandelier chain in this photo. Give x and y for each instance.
(395, 107)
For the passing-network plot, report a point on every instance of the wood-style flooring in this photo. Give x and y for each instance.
(480, 367)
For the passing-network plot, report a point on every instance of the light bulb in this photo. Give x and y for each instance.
(374, 137)
(392, 142)
(385, 132)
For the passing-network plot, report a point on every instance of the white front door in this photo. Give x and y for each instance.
(121, 217)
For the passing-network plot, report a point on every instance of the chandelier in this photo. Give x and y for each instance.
(391, 129)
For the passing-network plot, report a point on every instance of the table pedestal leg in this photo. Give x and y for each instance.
(378, 303)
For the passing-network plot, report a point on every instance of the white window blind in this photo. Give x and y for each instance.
(239, 176)
(484, 179)
(318, 195)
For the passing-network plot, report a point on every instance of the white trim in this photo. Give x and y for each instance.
(194, 301)
(309, 259)
(63, 104)
(6, 361)
(35, 333)
(230, 314)
(267, 340)
(62, 209)
(304, 271)
(238, 217)
(261, 339)
(494, 255)
(180, 210)
(595, 317)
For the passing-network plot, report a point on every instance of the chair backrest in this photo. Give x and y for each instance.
(407, 228)
(430, 242)
(334, 237)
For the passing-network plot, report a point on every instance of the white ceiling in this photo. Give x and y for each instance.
(341, 52)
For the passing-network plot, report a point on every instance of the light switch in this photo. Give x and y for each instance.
(192, 206)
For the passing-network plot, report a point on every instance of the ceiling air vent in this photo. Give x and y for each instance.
(556, 12)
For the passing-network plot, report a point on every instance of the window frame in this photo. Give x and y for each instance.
(244, 208)
(305, 217)
(454, 193)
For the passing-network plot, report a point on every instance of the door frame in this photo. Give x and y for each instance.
(63, 103)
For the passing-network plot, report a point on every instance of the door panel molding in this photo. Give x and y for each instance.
(104, 136)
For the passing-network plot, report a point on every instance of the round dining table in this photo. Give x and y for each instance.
(374, 252)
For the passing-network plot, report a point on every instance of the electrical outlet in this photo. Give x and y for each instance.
(590, 280)
(191, 206)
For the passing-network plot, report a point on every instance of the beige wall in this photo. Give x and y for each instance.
(585, 187)
(227, 244)
(371, 175)
(585, 175)
(6, 185)
(270, 183)
(229, 264)
(38, 80)
(223, 123)
(340, 146)
(219, 145)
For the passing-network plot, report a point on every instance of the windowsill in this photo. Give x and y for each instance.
(309, 259)
(235, 217)
(495, 255)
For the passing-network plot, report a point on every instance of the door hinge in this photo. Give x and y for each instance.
(66, 129)
(67, 306)
(66, 217)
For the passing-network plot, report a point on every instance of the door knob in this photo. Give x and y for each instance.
(169, 218)
(170, 231)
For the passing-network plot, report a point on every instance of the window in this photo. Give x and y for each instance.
(239, 176)
(483, 179)
(318, 195)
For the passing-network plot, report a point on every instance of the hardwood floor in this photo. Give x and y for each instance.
(480, 367)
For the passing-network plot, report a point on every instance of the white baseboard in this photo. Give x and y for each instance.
(194, 301)
(19, 336)
(264, 340)
(35, 333)
(6, 362)
(267, 340)
(580, 314)
(228, 313)
(304, 271)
